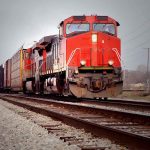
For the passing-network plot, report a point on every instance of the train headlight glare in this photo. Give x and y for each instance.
(83, 62)
(110, 62)
(94, 38)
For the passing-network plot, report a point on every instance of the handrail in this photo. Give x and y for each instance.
(40, 66)
(117, 53)
(69, 60)
(119, 58)
(71, 56)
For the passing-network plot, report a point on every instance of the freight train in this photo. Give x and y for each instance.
(83, 60)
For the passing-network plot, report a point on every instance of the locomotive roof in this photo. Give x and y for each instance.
(47, 39)
(43, 42)
(93, 17)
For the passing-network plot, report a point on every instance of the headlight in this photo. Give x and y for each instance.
(110, 62)
(83, 62)
(94, 38)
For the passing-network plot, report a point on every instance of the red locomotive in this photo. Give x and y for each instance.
(83, 60)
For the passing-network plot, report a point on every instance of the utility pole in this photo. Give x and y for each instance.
(148, 78)
(148, 81)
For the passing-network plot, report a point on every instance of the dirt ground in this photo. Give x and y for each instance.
(137, 95)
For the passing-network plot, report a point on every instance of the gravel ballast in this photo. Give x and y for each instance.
(18, 133)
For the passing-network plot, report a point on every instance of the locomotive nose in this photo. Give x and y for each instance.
(102, 50)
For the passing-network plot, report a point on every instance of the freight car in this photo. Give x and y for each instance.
(13, 72)
(17, 70)
(83, 60)
(7, 75)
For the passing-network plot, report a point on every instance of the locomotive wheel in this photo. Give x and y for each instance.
(105, 98)
(33, 87)
(60, 83)
(24, 87)
(42, 86)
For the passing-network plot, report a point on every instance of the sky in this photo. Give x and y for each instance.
(25, 21)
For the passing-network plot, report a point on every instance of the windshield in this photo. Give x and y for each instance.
(108, 28)
(81, 27)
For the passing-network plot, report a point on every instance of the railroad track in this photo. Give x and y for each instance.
(111, 103)
(129, 129)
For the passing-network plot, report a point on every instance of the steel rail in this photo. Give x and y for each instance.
(138, 105)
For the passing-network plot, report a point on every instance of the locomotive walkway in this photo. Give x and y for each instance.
(128, 128)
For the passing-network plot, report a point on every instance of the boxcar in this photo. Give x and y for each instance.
(17, 71)
(7, 75)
